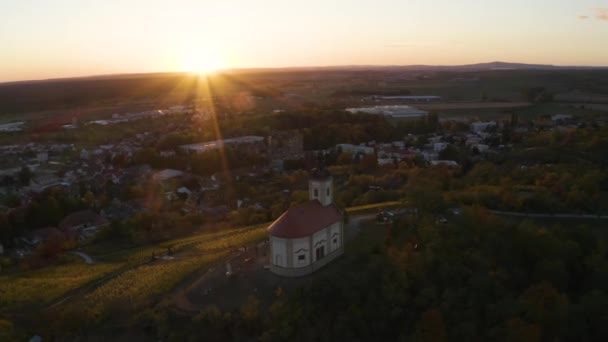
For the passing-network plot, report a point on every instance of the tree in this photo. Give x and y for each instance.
(432, 327)
(24, 176)
(344, 158)
(450, 152)
(89, 199)
(369, 162)
(7, 231)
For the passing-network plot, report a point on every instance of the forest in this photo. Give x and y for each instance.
(474, 278)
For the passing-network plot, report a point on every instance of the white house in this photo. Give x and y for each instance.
(448, 163)
(479, 126)
(439, 146)
(42, 157)
(561, 117)
(308, 236)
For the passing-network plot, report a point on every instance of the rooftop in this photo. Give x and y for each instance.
(304, 220)
(397, 111)
(216, 144)
(320, 174)
(83, 217)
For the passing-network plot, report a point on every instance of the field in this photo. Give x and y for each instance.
(58, 101)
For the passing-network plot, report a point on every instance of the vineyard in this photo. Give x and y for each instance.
(132, 277)
(129, 277)
(137, 255)
(135, 287)
(41, 286)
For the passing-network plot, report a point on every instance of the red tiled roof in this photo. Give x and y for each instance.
(88, 217)
(304, 220)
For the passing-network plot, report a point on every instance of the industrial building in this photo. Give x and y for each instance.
(250, 140)
(394, 112)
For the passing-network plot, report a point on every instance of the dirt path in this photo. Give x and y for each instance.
(87, 259)
(248, 264)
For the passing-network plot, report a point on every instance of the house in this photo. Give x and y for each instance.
(438, 146)
(84, 224)
(561, 117)
(448, 163)
(250, 143)
(167, 153)
(308, 236)
(118, 211)
(42, 157)
(166, 174)
(482, 148)
(38, 236)
(479, 126)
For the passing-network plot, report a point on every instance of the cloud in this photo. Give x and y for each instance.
(601, 13)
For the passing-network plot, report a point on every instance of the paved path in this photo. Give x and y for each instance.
(546, 215)
(87, 259)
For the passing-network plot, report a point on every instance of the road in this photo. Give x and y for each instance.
(546, 215)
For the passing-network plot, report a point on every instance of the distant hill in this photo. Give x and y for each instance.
(422, 67)
(159, 89)
(419, 67)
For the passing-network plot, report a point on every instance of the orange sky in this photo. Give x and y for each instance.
(64, 38)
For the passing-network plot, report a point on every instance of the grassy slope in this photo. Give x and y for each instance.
(41, 287)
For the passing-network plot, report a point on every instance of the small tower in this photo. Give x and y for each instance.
(320, 184)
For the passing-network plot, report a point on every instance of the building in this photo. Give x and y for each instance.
(479, 126)
(393, 112)
(439, 146)
(250, 140)
(42, 157)
(448, 163)
(36, 237)
(355, 149)
(12, 127)
(422, 98)
(561, 117)
(287, 145)
(308, 236)
(83, 224)
(166, 174)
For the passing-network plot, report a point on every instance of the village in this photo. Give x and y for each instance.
(114, 182)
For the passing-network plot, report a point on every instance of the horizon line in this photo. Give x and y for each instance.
(531, 66)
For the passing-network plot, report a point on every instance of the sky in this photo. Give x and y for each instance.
(42, 39)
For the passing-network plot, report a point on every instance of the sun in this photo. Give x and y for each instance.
(202, 62)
